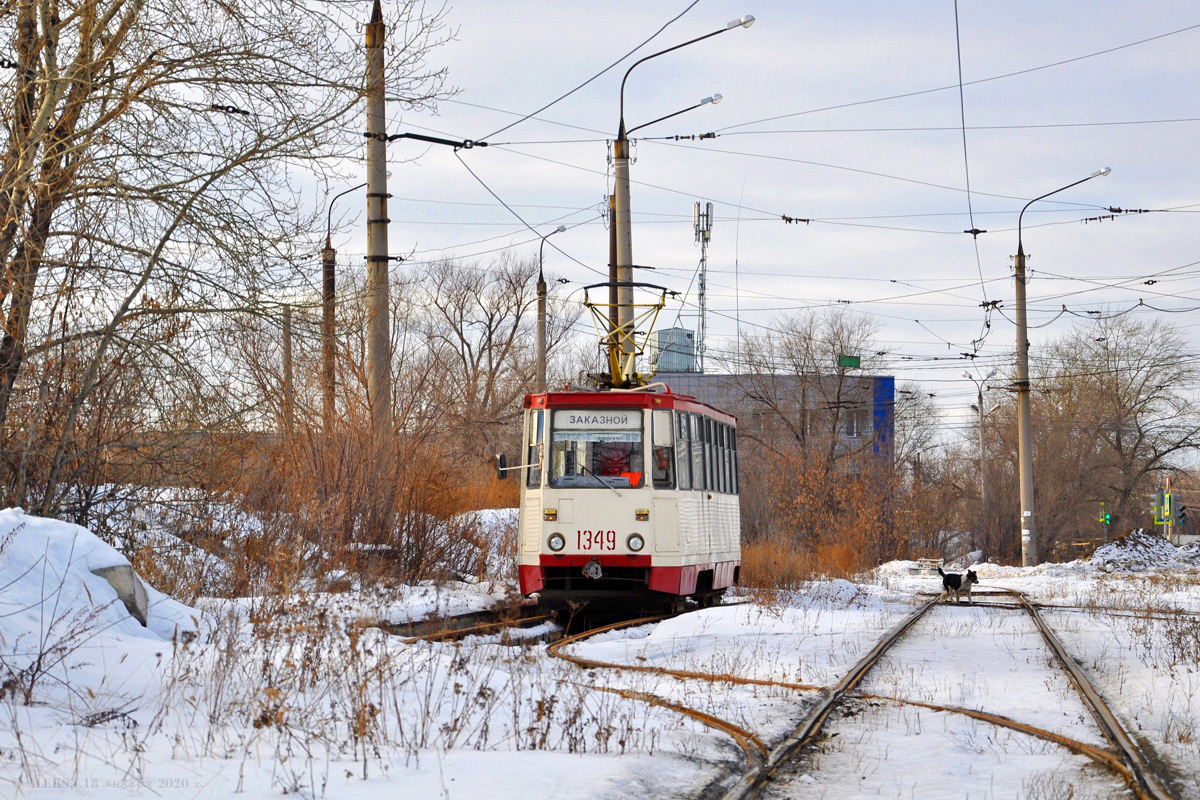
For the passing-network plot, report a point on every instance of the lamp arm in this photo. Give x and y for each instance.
(329, 213)
(660, 119)
(1043, 197)
(622, 133)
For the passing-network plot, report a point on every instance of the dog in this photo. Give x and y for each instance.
(953, 582)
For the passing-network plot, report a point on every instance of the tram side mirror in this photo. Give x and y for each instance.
(501, 466)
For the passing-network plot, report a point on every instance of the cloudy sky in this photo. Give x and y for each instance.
(846, 114)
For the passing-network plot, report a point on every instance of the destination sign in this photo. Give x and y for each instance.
(596, 419)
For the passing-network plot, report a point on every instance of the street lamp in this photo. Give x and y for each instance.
(541, 312)
(624, 250)
(328, 299)
(1024, 412)
(979, 386)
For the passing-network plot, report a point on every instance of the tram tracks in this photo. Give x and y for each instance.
(1147, 777)
(475, 623)
(1139, 765)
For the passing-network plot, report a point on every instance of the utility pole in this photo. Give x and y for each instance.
(328, 311)
(702, 222)
(624, 259)
(540, 368)
(379, 373)
(612, 266)
(328, 299)
(289, 386)
(983, 492)
(1029, 556)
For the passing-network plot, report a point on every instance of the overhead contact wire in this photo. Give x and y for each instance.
(598, 74)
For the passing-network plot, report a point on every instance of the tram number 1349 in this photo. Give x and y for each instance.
(599, 540)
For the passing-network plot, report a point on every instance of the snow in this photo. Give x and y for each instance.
(47, 577)
(303, 694)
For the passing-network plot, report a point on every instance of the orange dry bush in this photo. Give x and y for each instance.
(813, 515)
(344, 502)
(774, 565)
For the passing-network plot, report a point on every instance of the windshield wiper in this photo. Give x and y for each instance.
(597, 477)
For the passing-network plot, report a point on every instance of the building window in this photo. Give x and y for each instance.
(856, 423)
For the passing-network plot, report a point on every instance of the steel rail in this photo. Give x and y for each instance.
(449, 634)
(1146, 783)
(1159, 614)
(755, 750)
(764, 763)
(752, 783)
(1106, 757)
(555, 650)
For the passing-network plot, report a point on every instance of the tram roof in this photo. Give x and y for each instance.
(609, 398)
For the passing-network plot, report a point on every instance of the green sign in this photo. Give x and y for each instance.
(849, 362)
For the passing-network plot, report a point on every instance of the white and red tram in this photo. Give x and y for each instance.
(628, 498)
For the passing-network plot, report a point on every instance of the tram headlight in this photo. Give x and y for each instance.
(556, 542)
(635, 542)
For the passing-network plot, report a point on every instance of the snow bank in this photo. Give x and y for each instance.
(1140, 550)
(46, 574)
(1137, 551)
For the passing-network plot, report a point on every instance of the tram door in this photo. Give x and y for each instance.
(531, 487)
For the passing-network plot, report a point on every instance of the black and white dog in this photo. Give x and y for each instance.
(953, 582)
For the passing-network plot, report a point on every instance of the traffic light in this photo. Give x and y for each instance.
(1160, 507)
(1181, 514)
(1107, 518)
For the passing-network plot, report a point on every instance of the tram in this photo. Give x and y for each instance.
(629, 499)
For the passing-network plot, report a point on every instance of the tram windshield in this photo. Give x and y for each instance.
(597, 448)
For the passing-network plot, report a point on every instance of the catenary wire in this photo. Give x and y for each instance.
(968, 83)
(598, 74)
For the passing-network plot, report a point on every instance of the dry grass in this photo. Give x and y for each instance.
(780, 564)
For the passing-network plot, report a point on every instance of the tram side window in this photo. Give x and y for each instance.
(729, 459)
(709, 457)
(723, 461)
(697, 438)
(662, 462)
(718, 458)
(533, 449)
(727, 435)
(733, 452)
(683, 454)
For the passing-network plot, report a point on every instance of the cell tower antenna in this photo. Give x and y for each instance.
(702, 221)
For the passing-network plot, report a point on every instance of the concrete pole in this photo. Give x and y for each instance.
(328, 308)
(1029, 555)
(541, 311)
(541, 333)
(612, 263)
(624, 252)
(379, 372)
(289, 386)
(983, 493)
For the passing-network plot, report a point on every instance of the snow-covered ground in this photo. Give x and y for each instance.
(301, 694)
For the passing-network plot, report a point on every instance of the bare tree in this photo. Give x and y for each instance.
(147, 192)
(1112, 414)
(814, 471)
(480, 329)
